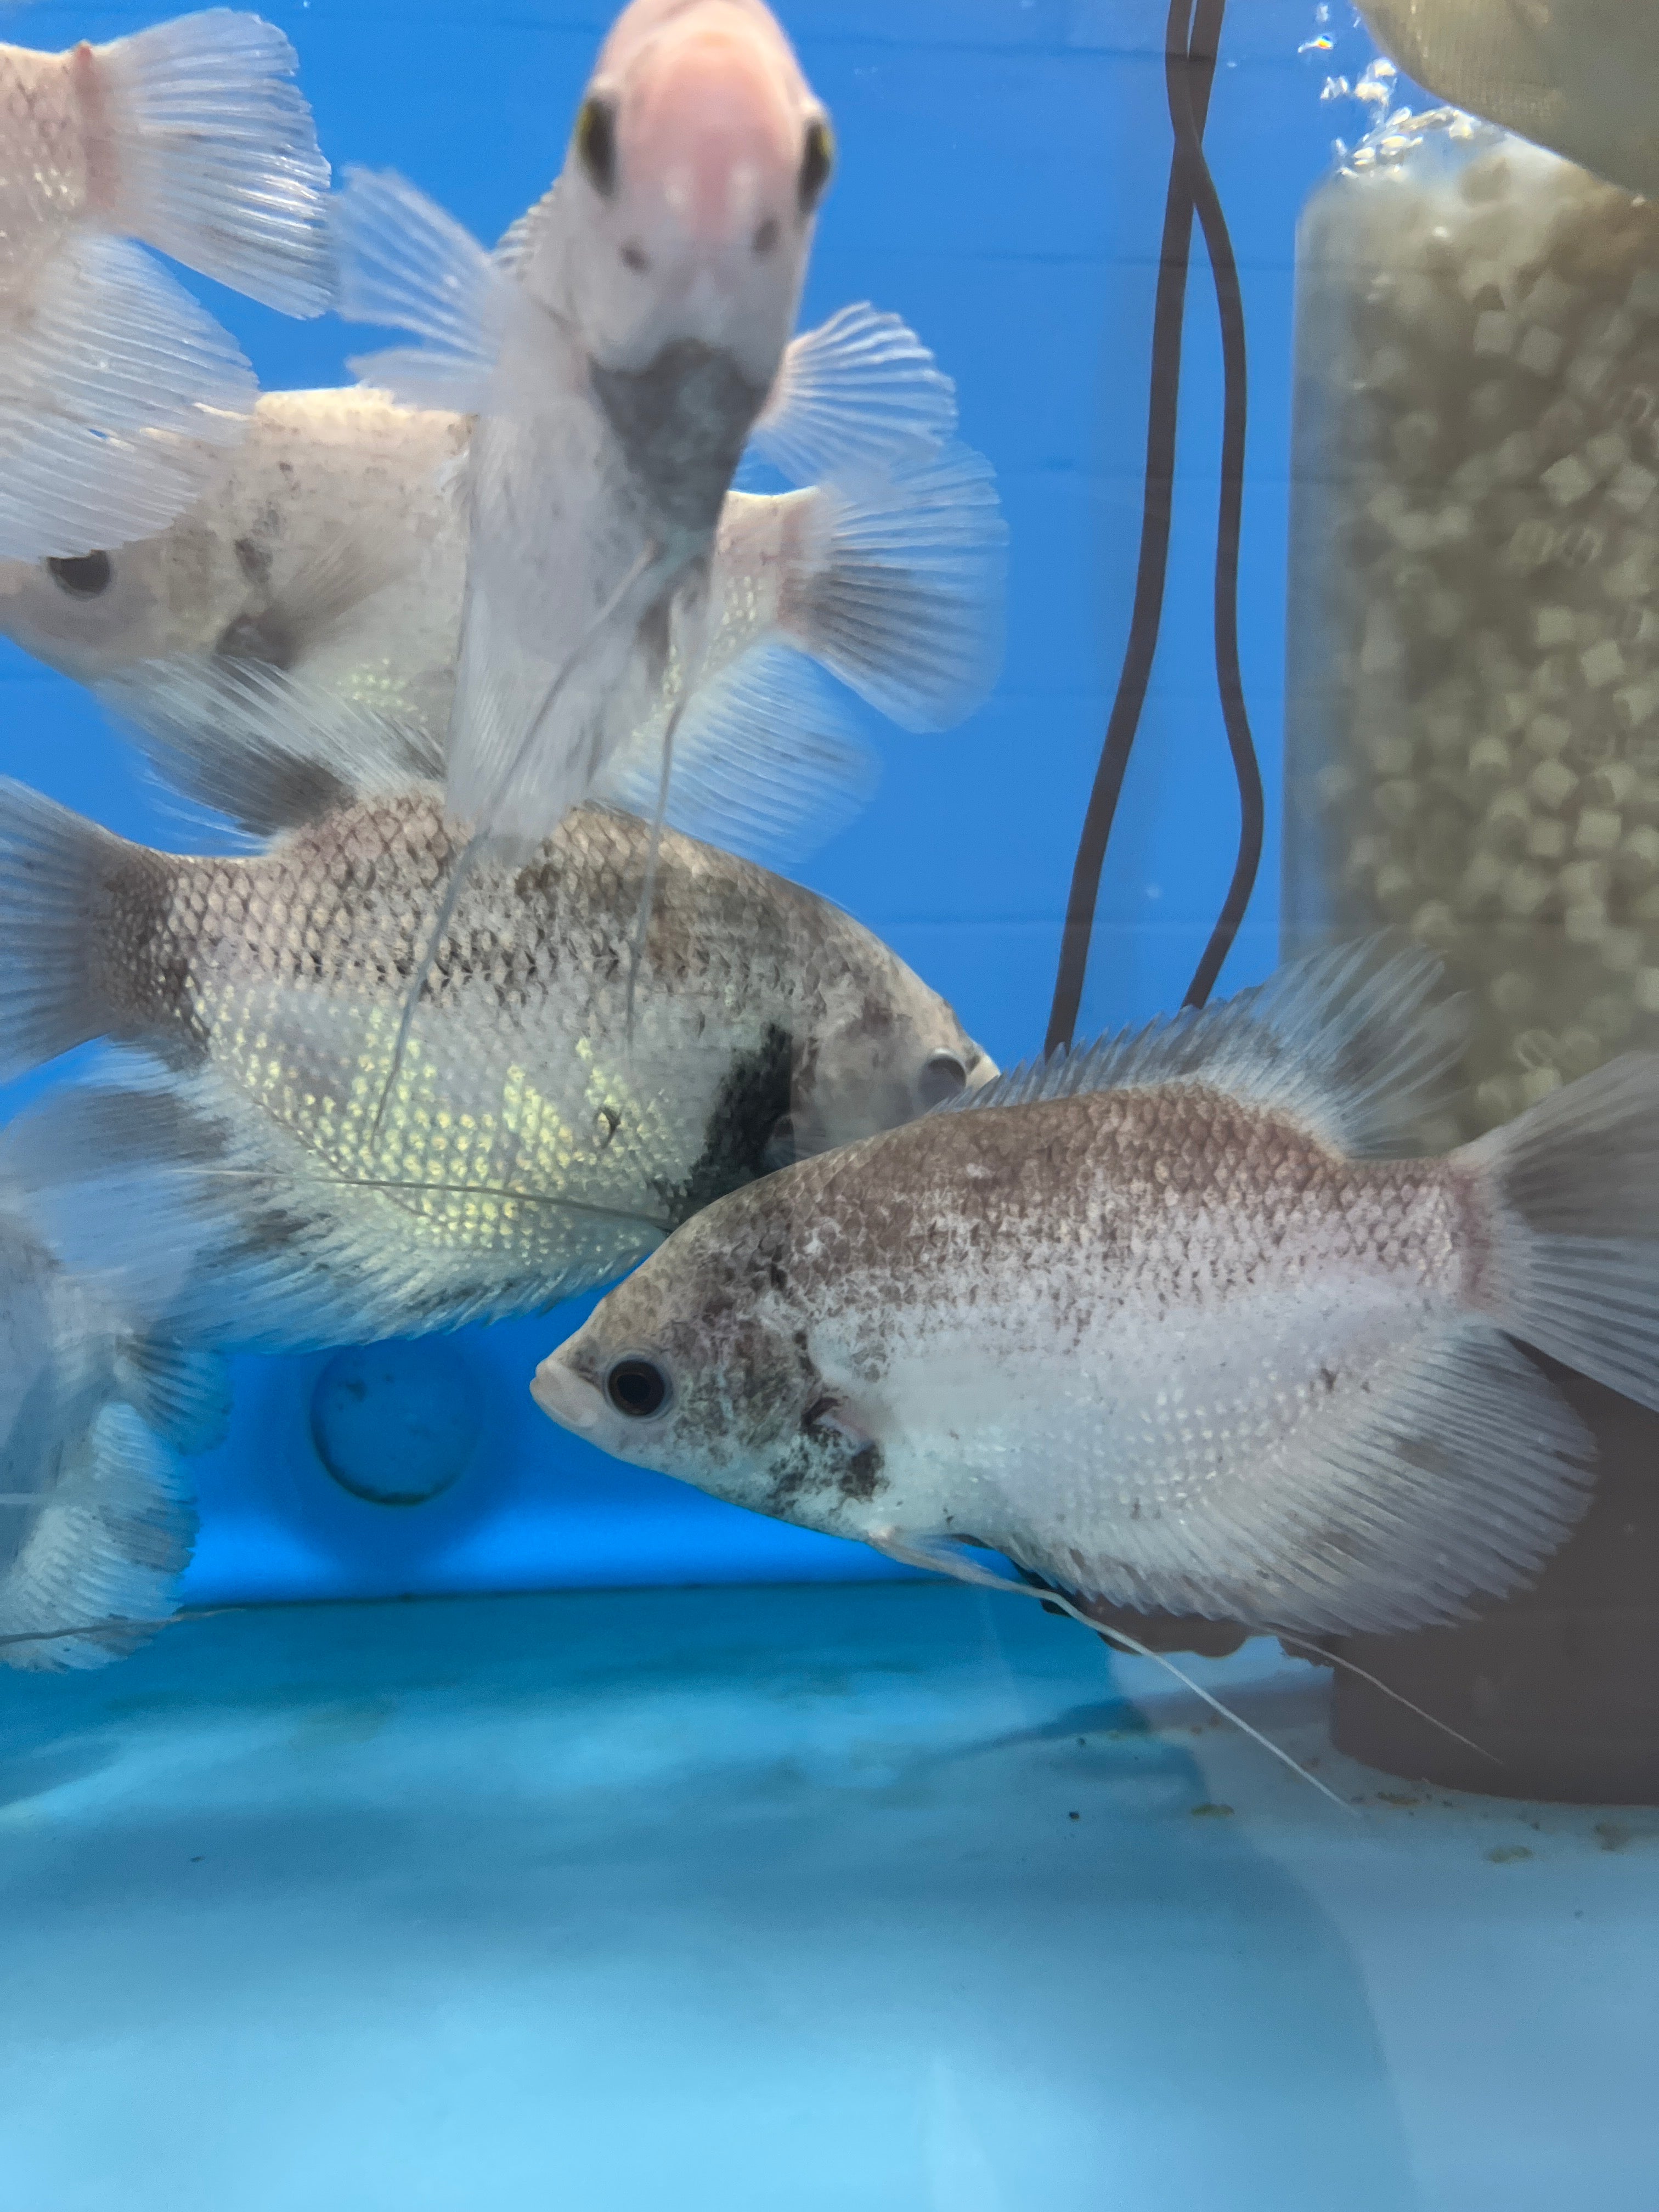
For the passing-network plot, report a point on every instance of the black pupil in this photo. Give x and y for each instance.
(596, 144)
(815, 165)
(637, 1388)
(82, 577)
(942, 1076)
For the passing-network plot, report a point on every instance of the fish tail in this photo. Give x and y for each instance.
(108, 1544)
(1572, 1263)
(214, 157)
(901, 591)
(56, 870)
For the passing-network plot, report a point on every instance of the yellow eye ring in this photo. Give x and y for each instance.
(595, 141)
(818, 159)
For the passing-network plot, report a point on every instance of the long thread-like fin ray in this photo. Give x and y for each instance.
(944, 1559)
(482, 842)
(648, 887)
(1326, 1657)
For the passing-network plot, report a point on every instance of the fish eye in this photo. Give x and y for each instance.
(637, 1388)
(818, 159)
(83, 576)
(596, 143)
(943, 1076)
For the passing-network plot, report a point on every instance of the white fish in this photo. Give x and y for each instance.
(96, 1518)
(1580, 77)
(1159, 1324)
(116, 386)
(330, 546)
(619, 350)
(327, 544)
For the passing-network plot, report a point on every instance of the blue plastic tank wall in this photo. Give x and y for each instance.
(1000, 184)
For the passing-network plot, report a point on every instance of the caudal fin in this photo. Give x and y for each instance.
(216, 158)
(118, 394)
(901, 595)
(1574, 1263)
(54, 870)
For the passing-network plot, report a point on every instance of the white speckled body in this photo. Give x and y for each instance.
(533, 1145)
(1099, 1333)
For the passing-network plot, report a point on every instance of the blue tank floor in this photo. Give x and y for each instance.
(866, 1899)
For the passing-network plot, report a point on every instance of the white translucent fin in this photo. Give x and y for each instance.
(767, 762)
(513, 248)
(321, 593)
(1350, 1042)
(1574, 1189)
(267, 750)
(53, 865)
(855, 391)
(905, 601)
(108, 1545)
(186, 1221)
(182, 1392)
(199, 1221)
(117, 392)
(1446, 1469)
(216, 159)
(404, 262)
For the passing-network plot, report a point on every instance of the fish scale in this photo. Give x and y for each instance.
(528, 1142)
(1157, 1324)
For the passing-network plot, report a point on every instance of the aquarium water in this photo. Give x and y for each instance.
(506, 1824)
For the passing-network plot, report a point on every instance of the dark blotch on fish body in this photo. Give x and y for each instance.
(860, 1479)
(682, 424)
(268, 639)
(752, 1099)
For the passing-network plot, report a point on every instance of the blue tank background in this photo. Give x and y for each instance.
(1000, 185)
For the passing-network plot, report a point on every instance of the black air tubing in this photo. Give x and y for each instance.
(1192, 39)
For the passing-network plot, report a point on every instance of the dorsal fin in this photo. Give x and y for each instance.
(405, 263)
(514, 245)
(1347, 1041)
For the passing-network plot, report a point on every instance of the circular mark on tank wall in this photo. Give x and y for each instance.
(396, 1424)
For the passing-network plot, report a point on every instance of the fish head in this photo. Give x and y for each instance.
(697, 164)
(707, 1365)
(885, 1050)
(97, 616)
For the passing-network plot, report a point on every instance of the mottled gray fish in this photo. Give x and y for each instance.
(96, 1520)
(529, 1145)
(1149, 1323)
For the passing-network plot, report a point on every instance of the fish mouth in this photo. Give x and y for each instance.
(564, 1397)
